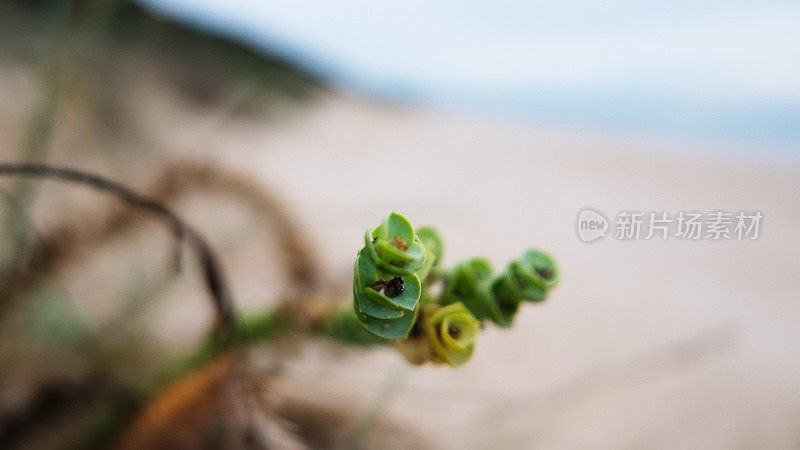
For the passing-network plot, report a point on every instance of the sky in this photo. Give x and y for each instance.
(729, 69)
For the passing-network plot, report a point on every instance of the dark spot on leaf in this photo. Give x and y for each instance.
(454, 331)
(505, 304)
(544, 272)
(392, 288)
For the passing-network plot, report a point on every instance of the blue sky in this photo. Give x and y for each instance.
(718, 68)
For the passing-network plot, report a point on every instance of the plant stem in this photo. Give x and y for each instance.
(215, 281)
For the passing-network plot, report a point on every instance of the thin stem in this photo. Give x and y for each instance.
(212, 271)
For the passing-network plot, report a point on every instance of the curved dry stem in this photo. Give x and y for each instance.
(178, 179)
(215, 281)
(60, 246)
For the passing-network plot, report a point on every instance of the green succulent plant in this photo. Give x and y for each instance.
(386, 287)
(451, 330)
(393, 297)
(497, 298)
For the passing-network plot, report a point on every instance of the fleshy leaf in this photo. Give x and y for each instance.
(376, 258)
(469, 284)
(368, 306)
(426, 267)
(386, 287)
(406, 300)
(389, 329)
(365, 272)
(397, 225)
(543, 267)
(506, 295)
(432, 241)
(452, 331)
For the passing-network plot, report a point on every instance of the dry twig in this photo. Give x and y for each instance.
(214, 278)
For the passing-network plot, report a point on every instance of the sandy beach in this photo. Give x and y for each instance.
(645, 343)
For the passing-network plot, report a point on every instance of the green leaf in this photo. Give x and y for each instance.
(397, 225)
(412, 289)
(368, 277)
(365, 270)
(506, 295)
(389, 329)
(417, 250)
(379, 261)
(469, 284)
(432, 241)
(545, 272)
(394, 247)
(529, 283)
(452, 331)
(345, 328)
(365, 305)
(392, 254)
(426, 267)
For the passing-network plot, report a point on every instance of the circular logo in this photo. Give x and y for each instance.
(591, 225)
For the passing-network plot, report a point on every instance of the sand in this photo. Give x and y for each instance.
(657, 344)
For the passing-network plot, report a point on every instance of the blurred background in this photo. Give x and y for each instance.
(281, 130)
